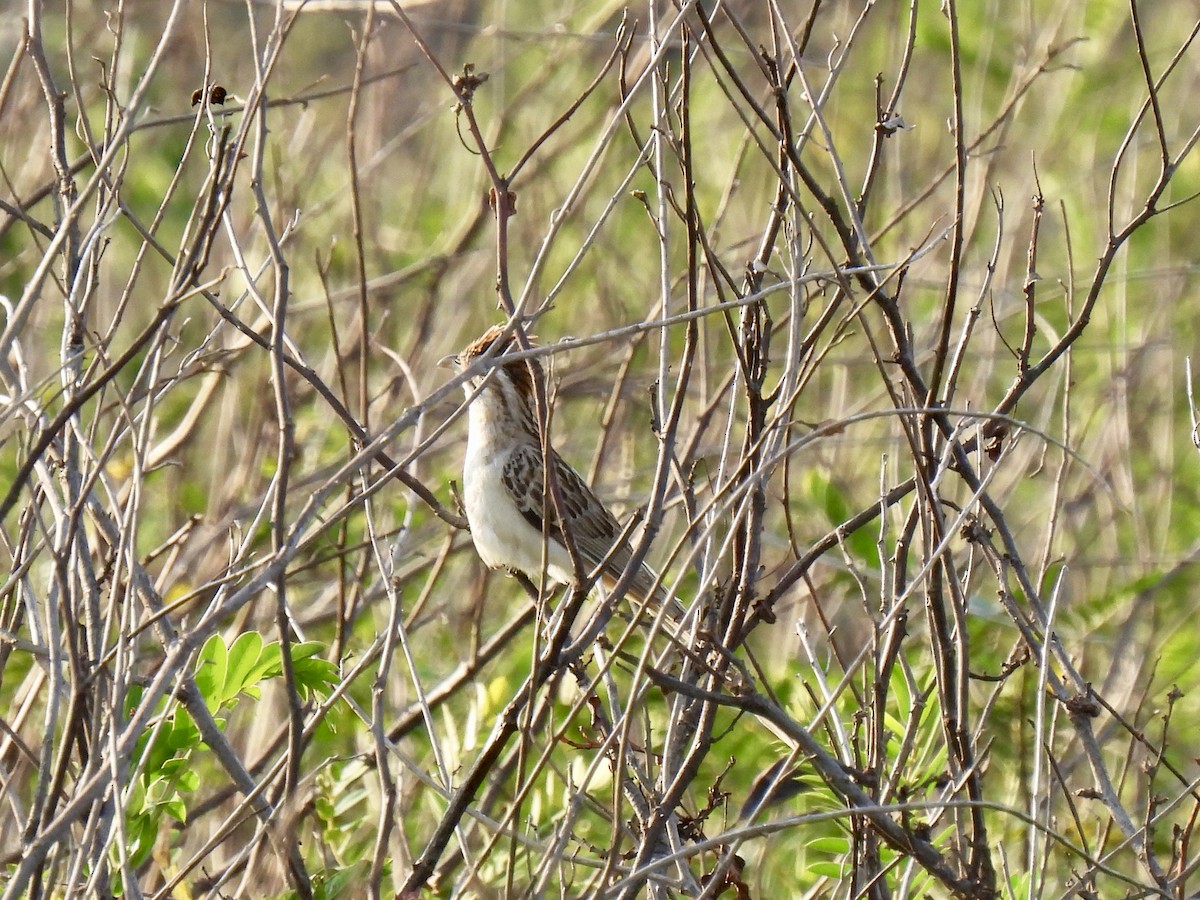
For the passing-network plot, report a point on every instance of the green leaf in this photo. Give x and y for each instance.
(176, 809)
(305, 649)
(836, 846)
(181, 734)
(141, 832)
(137, 797)
(268, 665)
(157, 790)
(316, 676)
(828, 869)
(211, 668)
(133, 696)
(244, 657)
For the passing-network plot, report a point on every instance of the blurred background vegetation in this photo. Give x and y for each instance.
(159, 258)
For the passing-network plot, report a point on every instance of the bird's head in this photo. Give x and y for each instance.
(513, 380)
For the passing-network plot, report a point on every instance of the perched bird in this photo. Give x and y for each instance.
(512, 516)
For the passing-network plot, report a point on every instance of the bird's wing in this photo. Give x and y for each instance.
(593, 529)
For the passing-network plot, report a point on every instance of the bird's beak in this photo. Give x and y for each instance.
(448, 362)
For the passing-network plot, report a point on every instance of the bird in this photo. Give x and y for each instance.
(513, 519)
